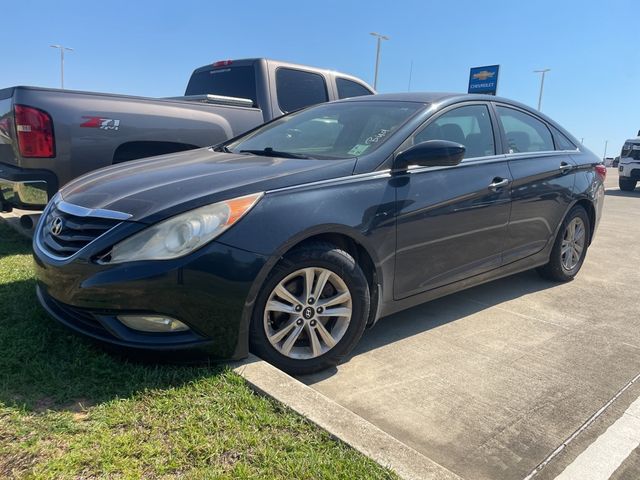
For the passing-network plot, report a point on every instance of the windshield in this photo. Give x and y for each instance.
(631, 150)
(239, 82)
(329, 131)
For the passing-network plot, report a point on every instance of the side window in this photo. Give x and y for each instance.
(347, 88)
(524, 133)
(297, 89)
(562, 142)
(470, 126)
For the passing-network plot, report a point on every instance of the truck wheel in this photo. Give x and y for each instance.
(627, 184)
(569, 248)
(311, 311)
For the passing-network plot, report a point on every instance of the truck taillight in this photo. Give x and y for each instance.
(34, 129)
(222, 63)
(601, 170)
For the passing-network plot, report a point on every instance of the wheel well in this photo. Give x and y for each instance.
(591, 212)
(134, 150)
(362, 258)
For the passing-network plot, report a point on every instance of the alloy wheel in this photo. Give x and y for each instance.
(307, 313)
(573, 243)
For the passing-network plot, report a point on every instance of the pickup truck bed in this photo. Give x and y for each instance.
(100, 129)
(50, 136)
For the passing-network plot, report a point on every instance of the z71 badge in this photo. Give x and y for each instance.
(102, 123)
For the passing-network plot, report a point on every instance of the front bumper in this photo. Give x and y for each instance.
(207, 290)
(630, 170)
(24, 188)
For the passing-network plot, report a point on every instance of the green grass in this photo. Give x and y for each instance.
(70, 410)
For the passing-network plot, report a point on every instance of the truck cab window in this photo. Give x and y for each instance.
(297, 89)
(348, 88)
(239, 82)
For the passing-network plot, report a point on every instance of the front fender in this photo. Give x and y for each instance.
(364, 211)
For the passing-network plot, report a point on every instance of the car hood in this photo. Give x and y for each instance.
(159, 187)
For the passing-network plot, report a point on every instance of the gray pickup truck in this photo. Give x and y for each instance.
(50, 136)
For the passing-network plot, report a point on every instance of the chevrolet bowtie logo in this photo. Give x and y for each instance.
(483, 75)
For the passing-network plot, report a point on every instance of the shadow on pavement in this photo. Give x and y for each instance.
(439, 312)
(622, 193)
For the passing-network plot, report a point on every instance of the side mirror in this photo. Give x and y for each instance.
(432, 153)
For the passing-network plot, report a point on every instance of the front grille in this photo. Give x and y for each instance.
(63, 234)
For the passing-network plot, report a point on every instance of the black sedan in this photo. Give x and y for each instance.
(292, 239)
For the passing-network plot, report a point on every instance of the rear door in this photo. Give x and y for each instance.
(452, 221)
(543, 181)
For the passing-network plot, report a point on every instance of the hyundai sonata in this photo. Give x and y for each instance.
(293, 238)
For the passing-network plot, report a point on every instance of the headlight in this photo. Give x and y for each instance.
(183, 233)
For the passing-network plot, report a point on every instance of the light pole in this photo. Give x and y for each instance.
(606, 142)
(380, 38)
(62, 49)
(543, 71)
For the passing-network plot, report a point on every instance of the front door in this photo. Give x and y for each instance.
(452, 221)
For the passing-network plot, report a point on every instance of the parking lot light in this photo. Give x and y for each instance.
(543, 71)
(379, 40)
(62, 49)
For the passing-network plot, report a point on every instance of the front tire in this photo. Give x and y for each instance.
(570, 247)
(311, 311)
(627, 184)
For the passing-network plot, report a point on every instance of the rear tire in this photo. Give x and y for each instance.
(570, 247)
(627, 184)
(291, 328)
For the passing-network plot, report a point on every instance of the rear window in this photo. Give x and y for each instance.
(239, 82)
(297, 89)
(524, 133)
(562, 142)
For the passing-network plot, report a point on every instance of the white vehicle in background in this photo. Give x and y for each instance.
(629, 166)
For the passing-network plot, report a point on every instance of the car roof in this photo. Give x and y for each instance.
(434, 97)
(448, 98)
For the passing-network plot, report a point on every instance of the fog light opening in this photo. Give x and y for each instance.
(153, 323)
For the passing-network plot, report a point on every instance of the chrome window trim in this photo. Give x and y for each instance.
(542, 153)
(467, 161)
(78, 211)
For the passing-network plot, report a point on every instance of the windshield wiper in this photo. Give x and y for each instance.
(270, 152)
(222, 148)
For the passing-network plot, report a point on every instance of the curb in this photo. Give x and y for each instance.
(340, 422)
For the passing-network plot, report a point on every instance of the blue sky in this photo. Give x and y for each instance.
(150, 48)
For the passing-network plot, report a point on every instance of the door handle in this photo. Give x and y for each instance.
(499, 183)
(565, 167)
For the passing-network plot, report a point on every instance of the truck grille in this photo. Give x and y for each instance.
(63, 234)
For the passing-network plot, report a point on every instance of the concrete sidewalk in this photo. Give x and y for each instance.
(488, 382)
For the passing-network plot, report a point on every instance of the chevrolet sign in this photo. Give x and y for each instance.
(484, 79)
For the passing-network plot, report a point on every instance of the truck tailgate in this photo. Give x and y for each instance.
(7, 128)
